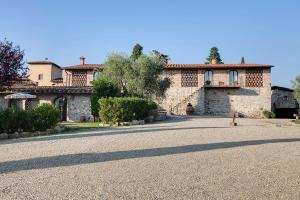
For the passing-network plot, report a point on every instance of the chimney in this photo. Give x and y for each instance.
(214, 61)
(169, 61)
(82, 59)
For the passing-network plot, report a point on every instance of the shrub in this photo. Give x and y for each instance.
(45, 116)
(41, 118)
(122, 109)
(103, 88)
(151, 105)
(268, 114)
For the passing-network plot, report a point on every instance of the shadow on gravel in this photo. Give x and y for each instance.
(103, 132)
(86, 158)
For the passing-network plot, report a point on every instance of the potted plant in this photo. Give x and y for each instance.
(189, 109)
(208, 82)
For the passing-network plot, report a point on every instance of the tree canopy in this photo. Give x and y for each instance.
(242, 60)
(164, 57)
(140, 77)
(297, 88)
(137, 51)
(214, 55)
(11, 63)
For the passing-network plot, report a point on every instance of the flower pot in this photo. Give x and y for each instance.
(82, 119)
(189, 109)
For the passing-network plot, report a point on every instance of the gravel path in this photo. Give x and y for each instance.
(184, 158)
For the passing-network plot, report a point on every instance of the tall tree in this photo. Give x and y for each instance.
(297, 88)
(243, 60)
(11, 63)
(164, 57)
(214, 55)
(137, 51)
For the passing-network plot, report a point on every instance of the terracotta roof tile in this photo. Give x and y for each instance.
(215, 66)
(85, 66)
(52, 89)
(181, 66)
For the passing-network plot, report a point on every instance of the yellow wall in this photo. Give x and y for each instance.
(49, 72)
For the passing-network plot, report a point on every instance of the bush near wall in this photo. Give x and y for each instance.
(269, 114)
(124, 109)
(40, 118)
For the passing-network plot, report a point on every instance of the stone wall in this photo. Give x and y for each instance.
(283, 99)
(77, 106)
(250, 102)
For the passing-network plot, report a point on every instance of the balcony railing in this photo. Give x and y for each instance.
(222, 85)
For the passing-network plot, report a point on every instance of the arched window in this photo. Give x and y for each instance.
(208, 77)
(233, 77)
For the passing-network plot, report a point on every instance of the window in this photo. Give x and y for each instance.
(40, 77)
(208, 77)
(233, 77)
(97, 74)
(189, 78)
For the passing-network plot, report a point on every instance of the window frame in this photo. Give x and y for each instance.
(234, 74)
(40, 77)
(210, 76)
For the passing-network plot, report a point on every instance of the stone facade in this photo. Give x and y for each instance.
(77, 104)
(220, 97)
(283, 98)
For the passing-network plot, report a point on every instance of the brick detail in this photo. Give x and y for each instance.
(189, 78)
(79, 78)
(254, 78)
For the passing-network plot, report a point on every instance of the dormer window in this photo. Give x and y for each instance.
(233, 77)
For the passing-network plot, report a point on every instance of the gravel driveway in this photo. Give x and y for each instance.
(183, 158)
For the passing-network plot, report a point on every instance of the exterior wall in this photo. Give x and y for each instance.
(67, 77)
(79, 105)
(249, 101)
(45, 69)
(283, 99)
(3, 102)
(90, 77)
(56, 72)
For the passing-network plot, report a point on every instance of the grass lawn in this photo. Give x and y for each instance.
(296, 122)
(71, 126)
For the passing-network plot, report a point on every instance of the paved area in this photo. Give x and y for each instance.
(185, 158)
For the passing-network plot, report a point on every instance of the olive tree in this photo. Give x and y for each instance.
(137, 77)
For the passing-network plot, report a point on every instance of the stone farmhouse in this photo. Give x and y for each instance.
(212, 89)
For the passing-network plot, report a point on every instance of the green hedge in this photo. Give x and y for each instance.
(103, 88)
(40, 118)
(124, 109)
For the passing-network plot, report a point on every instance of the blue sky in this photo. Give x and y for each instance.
(263, 31)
